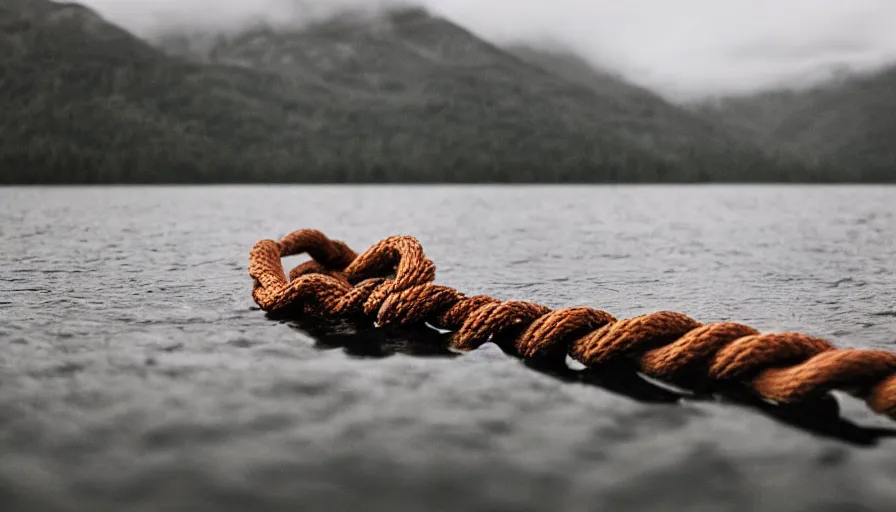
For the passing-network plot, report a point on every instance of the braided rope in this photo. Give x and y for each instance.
(392, 283)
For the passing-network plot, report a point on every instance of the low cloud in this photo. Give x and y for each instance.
(683, 49)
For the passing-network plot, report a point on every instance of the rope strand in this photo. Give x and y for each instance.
(392, 284)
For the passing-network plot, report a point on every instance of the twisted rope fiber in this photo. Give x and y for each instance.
(392, 283)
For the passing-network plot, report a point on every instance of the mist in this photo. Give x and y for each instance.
(685, 49)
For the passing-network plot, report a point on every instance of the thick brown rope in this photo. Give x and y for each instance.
(391, 283)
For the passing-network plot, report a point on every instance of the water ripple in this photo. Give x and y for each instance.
(136, 373)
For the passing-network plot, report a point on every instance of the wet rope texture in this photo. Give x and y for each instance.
(392, 284)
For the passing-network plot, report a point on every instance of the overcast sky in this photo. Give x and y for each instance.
(682, 48)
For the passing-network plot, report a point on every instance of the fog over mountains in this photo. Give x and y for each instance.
(392, 93)
(683, 49)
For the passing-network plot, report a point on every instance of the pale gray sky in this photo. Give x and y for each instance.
(679, 47)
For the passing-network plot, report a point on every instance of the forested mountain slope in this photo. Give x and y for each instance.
(401, 96)
(849, 125)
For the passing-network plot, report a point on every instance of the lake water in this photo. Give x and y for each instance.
(136, 374)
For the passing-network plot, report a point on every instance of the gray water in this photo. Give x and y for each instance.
(136, 374)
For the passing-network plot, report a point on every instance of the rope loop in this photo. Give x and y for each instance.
(398, 258)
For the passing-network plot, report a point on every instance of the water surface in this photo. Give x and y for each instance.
(135, 373)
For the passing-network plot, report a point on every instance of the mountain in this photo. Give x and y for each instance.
(398, 96)
(848, 124)
(535, 120)
(630, 108)
(84, 101)
(568, 65)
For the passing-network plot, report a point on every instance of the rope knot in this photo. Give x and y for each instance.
(400, 260)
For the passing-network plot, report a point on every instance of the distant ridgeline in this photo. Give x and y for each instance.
(400, 97)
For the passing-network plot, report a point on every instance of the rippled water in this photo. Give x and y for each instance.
(135, 373)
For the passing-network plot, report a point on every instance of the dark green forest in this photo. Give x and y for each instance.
(346, 100)
(848, 125)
